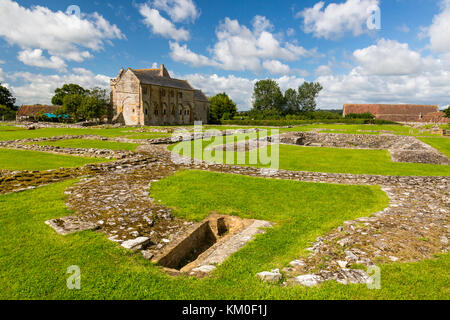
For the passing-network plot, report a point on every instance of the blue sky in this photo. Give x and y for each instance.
(228, 45)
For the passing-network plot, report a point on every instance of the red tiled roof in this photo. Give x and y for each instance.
(31, 111)
(393, 112)
(437, 117)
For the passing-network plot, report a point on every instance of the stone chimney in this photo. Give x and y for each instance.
(163, 72)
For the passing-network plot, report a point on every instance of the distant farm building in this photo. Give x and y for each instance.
(32, 112)
(399, 112)
(152, 97)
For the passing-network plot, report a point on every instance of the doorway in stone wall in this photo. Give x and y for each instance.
(130, 112)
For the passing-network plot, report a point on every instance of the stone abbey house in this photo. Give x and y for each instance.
(152, 97)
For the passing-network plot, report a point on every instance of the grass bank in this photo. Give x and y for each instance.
(34, 259)
(441, 144)
(34, 160)
(87, 144)
(331, 160)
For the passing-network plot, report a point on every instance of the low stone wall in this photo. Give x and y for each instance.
(402, 148)
(420, 156)
(355, 141)
(14, 181)
(70, 137)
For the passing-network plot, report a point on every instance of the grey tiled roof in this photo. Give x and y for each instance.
(151, 76)
(200, 96)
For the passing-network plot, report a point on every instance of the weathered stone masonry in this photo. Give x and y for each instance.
(152, 97)
(115, 200)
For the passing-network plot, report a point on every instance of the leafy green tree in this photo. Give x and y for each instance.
(103, 96)
(267, 95)
(307, 94)
(100, 94)
(365, 115)
(82, 104)
(71, 104)
(67, 89)
(292, 101)
(447, 112)
(221, 107)
(7, 113)
(91, 108)
(6, 98)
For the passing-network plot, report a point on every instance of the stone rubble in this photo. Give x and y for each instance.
(71, 224)
(401, 148)
(270, 276)
(114, 197)
(308, 280)
(14, 181)
(136, 244)
(203, 269)
(410, 228)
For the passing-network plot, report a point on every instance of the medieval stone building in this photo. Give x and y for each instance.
(399, 112)
(152, 97)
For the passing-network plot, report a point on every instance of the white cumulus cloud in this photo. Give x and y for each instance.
(160, 25)
(336, 19)
(240, 48)
(388, 72)
(39, 88)
(178, 10)
(439, 30)
(35, 58)
(63, 36)
(239, 89)
(323, 70)
(389, 57)
(183, 53)
(276, 67)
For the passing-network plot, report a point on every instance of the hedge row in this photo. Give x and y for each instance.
(281, 123)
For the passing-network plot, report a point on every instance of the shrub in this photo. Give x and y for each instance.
(286, 122)
(365, 115)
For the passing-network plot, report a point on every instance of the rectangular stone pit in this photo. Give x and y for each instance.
(209, 242)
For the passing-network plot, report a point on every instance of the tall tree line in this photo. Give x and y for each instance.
(269, 101)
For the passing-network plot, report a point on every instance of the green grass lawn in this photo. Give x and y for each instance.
(441, 144)
(361, 129)
(12, 132)
(149, 135)
(87, 144)
(335, 128)
(333, 160)
(34, 160)
(338, 160)
(8, 132)
(34, 259)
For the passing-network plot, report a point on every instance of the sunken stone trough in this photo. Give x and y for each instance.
(208, 243)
